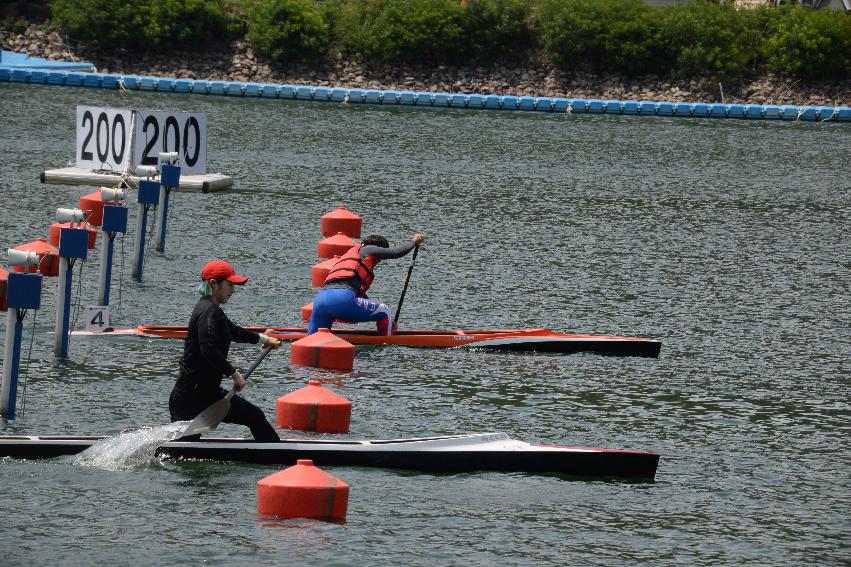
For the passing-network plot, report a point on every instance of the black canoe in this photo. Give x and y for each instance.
(450, 454)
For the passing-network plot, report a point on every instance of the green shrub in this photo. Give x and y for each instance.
(707, 40)
(402, 31)
(15, 25)
(144, 25)
(601, 35)
(288, 30)
(809, 44)
(497, 29)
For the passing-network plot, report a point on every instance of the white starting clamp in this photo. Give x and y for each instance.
(70, 215)
(108, 194)
(147, 171)
(25, 258)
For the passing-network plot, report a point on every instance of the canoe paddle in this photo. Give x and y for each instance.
(211, 417)
(405, 287)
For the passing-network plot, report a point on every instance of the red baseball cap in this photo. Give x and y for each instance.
(221, 270)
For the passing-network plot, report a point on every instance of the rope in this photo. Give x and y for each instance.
(77, 302)
(27, 368)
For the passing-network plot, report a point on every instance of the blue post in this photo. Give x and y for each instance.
(169, 179)
(73, 244)
(148, 195)
(16, 362)
(163, 217)
(23, 292)
(114, 221)
(67, 276)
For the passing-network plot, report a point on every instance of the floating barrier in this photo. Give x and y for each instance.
(319, 272)
(4, 289)
(323, 349)
(48, 258)
(303, 491)
(336, 245)
(423, 99)
(341, 220)
(314, 408)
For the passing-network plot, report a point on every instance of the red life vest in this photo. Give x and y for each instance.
(351, 265)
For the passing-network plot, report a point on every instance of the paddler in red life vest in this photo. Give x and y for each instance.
(343, 296)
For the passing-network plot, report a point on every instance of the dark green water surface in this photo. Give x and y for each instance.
(727, 240)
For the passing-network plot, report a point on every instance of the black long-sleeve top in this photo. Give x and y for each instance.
(205, 352)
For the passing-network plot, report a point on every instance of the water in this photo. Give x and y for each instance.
(726, 240)
(129, 449)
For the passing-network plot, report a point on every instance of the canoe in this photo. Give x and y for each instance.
(447, 454)
(529, 340)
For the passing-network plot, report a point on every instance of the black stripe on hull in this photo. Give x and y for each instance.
(585, 464)
(647, 349)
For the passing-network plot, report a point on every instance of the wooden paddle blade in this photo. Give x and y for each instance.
(208, 419)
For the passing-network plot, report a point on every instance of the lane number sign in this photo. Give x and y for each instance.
(97, 318)
(181, 132)
(103, 137)
(105, 140)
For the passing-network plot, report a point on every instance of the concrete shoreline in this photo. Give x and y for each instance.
(539, 78)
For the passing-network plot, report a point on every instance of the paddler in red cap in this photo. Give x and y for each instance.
(205, 356)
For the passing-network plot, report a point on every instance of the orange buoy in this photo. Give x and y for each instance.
(323, 349)
(319, 271)
(336, 245)
(48, 257)
(314, 408)
(303, 491)
(306, 311)
(340, 220)
(93, 205)
(56, 227)
(4, 289)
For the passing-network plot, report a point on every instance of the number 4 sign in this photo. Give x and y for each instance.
(97, 318)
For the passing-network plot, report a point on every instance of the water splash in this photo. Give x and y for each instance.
(129, 449)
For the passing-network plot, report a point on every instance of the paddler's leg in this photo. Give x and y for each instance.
(378, 312)
(186, 404)
(245, 413)
(326, 305)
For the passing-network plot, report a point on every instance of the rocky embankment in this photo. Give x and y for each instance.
(237, 62)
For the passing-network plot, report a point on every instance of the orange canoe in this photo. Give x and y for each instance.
(532, 340)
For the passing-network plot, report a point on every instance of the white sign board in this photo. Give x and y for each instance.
(97, 318)
(181, 132)
(103, 138)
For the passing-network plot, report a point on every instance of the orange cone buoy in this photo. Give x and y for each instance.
(319, 271)
(340, 220)
(314, 408)
(48, 257)
(323, 349)
(303, 491)
(93, 205)
(306, 311)
(336, 245)
(4, 289)
(56, 227)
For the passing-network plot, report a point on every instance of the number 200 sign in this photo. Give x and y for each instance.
(181, 132)
(104, 138)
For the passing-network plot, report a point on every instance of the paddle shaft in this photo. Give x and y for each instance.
(405, 286)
